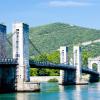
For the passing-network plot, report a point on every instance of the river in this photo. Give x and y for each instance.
(53, 91)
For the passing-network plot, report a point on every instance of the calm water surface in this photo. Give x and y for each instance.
(52, 91)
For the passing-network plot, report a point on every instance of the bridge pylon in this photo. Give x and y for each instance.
(77, 63)
(21, 53)
(3, 41)
(63, 60)
(68, 77)
(21, 49)
(91, 61)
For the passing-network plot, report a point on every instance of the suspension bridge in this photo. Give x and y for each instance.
(14, 72)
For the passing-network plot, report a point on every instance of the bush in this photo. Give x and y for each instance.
(53, 80)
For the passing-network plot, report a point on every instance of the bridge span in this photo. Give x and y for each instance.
(38, 64)
(15, 71)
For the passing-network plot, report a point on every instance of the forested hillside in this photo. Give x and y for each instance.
(50, 37)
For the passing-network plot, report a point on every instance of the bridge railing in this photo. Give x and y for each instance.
(41, 62)
(8, 61)
(86, 69)
(61, 66)
(49, 64)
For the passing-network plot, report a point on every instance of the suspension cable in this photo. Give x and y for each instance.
(9, 42)
(11, 35)
(34, 47)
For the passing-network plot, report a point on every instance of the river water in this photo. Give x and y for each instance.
(53, 91)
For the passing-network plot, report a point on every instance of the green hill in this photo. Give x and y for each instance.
(50, 37)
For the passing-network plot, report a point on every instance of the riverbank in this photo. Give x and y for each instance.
(47, 78)
(43, 78)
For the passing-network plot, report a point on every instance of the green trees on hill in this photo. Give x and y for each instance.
(85, 56)
(50, 37)
(52, 58)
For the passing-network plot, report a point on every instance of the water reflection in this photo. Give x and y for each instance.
(62, 94)
(73, 92)
(21, 96)
(28, 96)
(53, 91)
(77, 93)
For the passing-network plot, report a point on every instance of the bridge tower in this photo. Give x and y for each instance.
(3, 41)
(77, 63)
(21, 52)
(63, 60)
(2, 49)
(91, 61)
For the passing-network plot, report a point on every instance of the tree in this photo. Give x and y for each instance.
(54, 57)
(33, 71)
(85, 55)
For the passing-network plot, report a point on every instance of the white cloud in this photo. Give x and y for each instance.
(68, 4)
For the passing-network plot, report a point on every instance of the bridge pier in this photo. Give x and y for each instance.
(63, 60)
(0, 76)
(94, 78)
(7, 78)
(66, 76)
(77, 64)
(70, 76)
(91, 61)
(21, 53)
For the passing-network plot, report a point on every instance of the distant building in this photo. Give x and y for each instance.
(2, 41)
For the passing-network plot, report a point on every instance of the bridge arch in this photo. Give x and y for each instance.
(94, 63)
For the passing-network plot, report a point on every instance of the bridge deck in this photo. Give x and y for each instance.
(51, 65)
(8, 61)
(37, 64)
(60, 66)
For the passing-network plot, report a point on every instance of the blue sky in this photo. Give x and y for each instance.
(39, 12)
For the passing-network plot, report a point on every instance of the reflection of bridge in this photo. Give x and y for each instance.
(14, 73)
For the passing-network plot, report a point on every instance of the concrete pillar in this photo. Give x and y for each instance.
(77, 62)
(21, 52)
(90, 63)
(98, 67)
(3, 41)
(63, 60)
(0, 77)
(93, 77)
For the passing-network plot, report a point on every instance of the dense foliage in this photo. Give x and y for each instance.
(50, 37)
(52, 58)
(53, 80)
